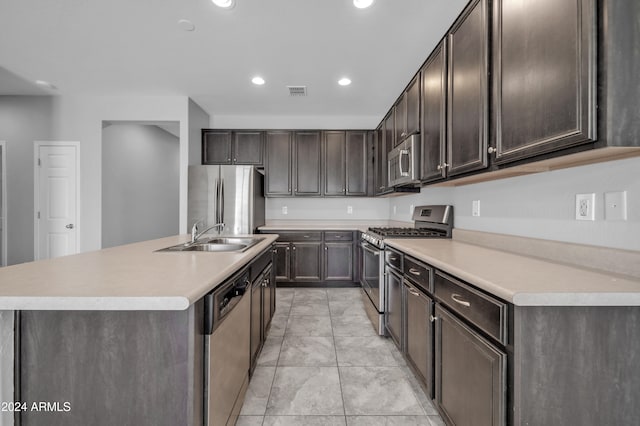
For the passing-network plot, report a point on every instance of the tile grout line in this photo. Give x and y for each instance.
(335, 349)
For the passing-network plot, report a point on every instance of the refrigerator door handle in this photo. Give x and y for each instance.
(217, 201)
(221, 202)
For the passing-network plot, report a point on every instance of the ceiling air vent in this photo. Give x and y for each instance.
(297, 90)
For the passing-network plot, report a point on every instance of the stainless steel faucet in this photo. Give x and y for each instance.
(195, 235)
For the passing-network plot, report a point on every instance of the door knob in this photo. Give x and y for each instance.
(69, 226)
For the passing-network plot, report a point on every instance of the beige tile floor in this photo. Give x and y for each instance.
(323, 364)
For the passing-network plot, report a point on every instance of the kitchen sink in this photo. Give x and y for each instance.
(218, 244)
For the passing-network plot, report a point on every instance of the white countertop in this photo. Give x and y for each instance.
(129, 277)
(522, 280)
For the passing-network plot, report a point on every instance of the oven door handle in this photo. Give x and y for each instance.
(366, 248)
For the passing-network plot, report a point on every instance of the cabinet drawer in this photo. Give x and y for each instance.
(393, 258)
(338, 236)
(418, 273)
(485, 312)
(298, 236)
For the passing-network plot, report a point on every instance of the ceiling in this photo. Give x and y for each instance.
(136, 47)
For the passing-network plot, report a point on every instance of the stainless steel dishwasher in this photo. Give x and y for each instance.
(227, 350)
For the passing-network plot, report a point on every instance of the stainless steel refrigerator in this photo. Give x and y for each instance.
(233, 195)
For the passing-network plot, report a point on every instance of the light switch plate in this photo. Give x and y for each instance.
(615, 205)
(349, 209)
(585, 206)
(285, 210)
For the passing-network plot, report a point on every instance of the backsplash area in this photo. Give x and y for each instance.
(543, 205)
(327, 208)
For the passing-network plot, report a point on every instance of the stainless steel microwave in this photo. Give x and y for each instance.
(404, 162)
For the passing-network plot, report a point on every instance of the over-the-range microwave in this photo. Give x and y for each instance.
(404, 162)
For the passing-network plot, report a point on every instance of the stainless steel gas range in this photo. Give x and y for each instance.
(429, 222)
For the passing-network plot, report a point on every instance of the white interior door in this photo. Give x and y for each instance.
(56, 202)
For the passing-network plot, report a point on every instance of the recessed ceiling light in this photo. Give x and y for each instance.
(259, 81)
(344, 81)
(186, 25)
(225, 4)
(46, 84)
(362, 4)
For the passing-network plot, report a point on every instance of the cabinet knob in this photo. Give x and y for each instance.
(294, 247)
(432, 318)
(439, 167)
(492, 150)
(445, 165)
(234, 160)
(287, 248)
(326, 249)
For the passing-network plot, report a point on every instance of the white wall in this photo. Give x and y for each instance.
(80, 118)
(23, 119)
(543, 205)
(140, 184)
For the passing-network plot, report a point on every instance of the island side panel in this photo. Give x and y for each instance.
(6, 364)
(124, 368)
(577, 365)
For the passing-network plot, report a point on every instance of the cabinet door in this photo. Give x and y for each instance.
(389, 133)
(400, 119)
(266, 303)
(470, 374)
(434, 102)
(468, 94)
(419, 335)
(413, 106)
(393, 310)
(307, 261)
(380, 160)
(247, 147)
(334, 163)
(544, 76)
(308, 150)
(216, 147)
(356, 163)
(278, 163)
(282, 262)
(338, 261)
(256, 318)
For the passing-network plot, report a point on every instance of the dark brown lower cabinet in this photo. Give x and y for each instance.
(393, 310)
(306, 261)
(268, 301)
(338, 261)
(282, 262)
(419, 334)
(256, 319)
(470, 374)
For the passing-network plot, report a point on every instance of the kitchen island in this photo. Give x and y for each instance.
(113, 336)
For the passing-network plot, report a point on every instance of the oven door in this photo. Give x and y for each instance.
(372, 278)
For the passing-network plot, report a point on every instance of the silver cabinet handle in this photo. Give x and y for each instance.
(414, 271)
(69, 226)
(491, 150)
(306, 236)
(432, 318)
(393, 258)
(414, 292)
(457, 298)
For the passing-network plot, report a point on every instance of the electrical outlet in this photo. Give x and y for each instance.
(585, 206)
(475, 208)
(615, 205)
(285, 210)
(349, 209)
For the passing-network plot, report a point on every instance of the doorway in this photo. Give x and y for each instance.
(56, 199)
(3, 203)
(140, 181)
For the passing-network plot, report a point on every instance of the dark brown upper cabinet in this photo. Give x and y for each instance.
(400, 120)
(242, 147)
(544, 70)
(278, 163)
(434, 115)
(357, 144)
(390, 130)
(467, 97)
(412, 99)
(380, 161)
(334, 163)
(247, 147)
(345, 163)
(216, 146)
(307, 157)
